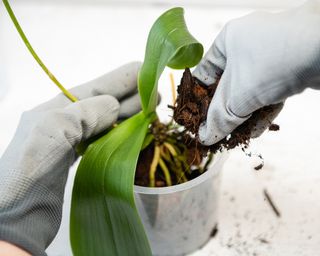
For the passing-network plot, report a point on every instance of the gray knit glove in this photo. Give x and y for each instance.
(264, 58)
(34, 168)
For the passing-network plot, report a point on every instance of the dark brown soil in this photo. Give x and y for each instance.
(186, 145)
(143, 166)
(192, 106)
(192, 102)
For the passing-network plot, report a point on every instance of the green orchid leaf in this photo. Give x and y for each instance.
(147, 141)
(169, 44)
(104, 219)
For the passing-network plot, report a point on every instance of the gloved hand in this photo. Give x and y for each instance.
(264, 58)
(34, 168)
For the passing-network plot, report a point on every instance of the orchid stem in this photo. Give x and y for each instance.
(34, 54)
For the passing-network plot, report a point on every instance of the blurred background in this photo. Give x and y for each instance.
(81, 39)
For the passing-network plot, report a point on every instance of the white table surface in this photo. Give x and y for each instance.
(80, 42)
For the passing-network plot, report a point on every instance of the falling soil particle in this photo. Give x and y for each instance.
(274, 127)
(192, 106)
(259, 167)
(214, 231)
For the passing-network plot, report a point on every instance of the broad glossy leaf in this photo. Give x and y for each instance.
(169, 44)
(104, 219)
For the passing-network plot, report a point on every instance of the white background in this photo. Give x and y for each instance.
(199, 3)
(81, 41)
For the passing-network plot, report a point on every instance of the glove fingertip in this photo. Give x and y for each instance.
(211, 67)
(106, 107)
(130, 106)
(204, 76)
(208, 136)
(94, 114)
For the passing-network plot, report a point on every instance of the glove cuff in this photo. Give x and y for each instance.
(30, 214)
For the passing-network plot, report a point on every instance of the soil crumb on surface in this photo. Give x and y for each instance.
(271, 203)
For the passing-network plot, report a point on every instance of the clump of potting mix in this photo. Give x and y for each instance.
(192, 102)
(192, 106)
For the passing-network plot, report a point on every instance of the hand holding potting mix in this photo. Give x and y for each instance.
(260, 60)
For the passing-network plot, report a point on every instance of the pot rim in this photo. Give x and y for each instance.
(213, 170)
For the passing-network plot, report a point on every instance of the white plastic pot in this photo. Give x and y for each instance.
(179, 219)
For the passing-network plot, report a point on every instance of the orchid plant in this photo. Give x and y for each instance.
(104, 219)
